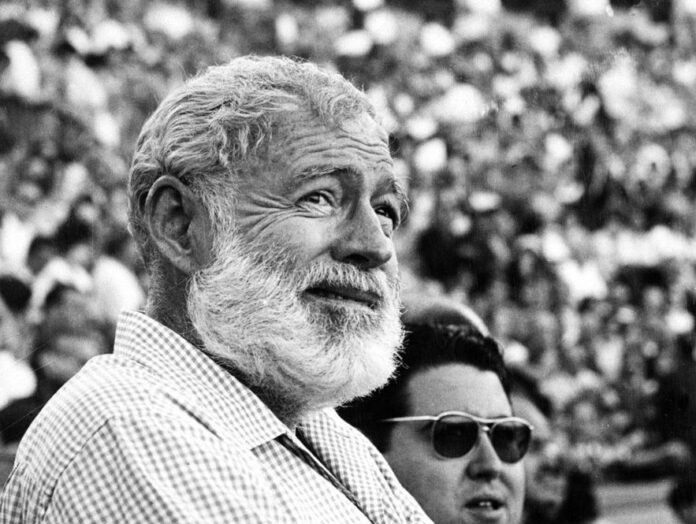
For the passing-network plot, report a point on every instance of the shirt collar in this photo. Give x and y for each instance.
(230, 407)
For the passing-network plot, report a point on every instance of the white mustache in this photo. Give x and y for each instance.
(320, 274)
(375, 284)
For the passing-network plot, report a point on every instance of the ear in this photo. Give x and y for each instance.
(178, 224)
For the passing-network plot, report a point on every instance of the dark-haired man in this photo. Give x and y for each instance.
(445, 426)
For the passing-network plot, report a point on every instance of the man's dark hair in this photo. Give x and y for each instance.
(426, 346)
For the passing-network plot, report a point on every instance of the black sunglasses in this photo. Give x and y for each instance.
(454, 433)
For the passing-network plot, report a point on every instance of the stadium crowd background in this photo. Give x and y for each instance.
(550, 155)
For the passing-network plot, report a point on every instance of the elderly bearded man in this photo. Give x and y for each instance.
(263, 201)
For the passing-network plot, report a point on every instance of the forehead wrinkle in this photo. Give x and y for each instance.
(302, 140)
(309, 129)
(375, 154)
(313, 172)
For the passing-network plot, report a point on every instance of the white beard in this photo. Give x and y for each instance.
(297, 355)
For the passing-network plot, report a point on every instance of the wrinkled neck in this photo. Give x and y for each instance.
(166, 303)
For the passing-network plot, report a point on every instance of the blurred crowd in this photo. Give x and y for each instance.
(548, 148)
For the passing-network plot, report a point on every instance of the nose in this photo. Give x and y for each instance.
(362, 242)
(484, 463)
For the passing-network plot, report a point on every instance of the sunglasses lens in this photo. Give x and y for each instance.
(511, 440)
(454, 436)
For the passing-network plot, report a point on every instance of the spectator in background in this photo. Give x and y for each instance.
(71, 263)
(445, 423)
(67, 338)
(546, 476)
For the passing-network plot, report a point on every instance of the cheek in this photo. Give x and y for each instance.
(302, 238)
(310, 239)
(515, 480)
(391, 268)
(433, 483)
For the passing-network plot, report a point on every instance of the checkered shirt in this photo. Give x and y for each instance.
(157, 432)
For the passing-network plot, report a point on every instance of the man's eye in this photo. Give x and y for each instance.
(317, 198)
(390, 213)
